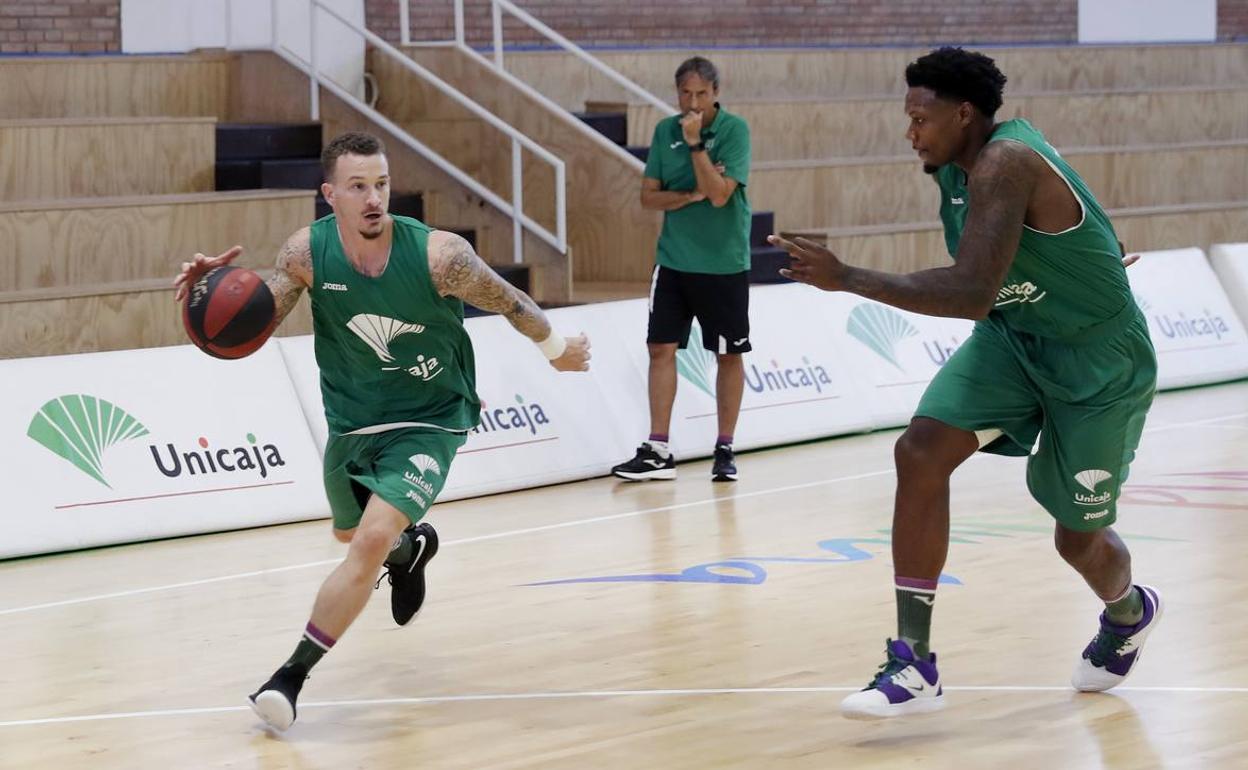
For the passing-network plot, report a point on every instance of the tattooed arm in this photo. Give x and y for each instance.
(1001, 185)
(293, 272)
(457, 271)
(291, 276)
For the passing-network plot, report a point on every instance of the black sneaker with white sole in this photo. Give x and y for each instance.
(646, 464)
(407, 580)
(274, 702)
(725, 467)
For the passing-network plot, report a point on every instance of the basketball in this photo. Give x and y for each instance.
(229, 312)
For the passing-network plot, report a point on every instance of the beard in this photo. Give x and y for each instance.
(930, 169)
(372, 235)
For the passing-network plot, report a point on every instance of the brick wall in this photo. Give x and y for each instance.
(750, 22)
(1232, 19)
(60, 26)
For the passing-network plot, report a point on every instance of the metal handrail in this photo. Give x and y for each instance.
(496, 8)
(519, 141)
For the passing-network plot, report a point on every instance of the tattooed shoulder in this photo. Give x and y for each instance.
(452, 262)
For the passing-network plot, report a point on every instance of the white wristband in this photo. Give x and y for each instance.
(553, 346)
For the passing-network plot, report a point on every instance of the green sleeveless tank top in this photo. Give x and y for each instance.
(392, 352)
(1066, 285)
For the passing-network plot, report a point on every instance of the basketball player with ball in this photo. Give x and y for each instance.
(397, 378)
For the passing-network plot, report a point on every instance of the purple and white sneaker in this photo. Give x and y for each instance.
(1112, 654)
(904, 685)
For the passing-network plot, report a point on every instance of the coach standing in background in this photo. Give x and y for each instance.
(696, 174)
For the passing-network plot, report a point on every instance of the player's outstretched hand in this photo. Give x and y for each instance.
(575, 357)
(192, 271)
(811, 263)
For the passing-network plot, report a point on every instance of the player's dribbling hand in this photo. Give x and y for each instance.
(192, 271)
(575, 357)
(811, 263)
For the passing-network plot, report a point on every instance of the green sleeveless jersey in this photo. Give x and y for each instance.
(1060, 285)
(392, 352)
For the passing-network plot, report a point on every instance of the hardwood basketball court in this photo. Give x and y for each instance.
(665, 625)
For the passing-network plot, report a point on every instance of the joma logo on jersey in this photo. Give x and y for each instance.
(1019, 292)
(328, 286)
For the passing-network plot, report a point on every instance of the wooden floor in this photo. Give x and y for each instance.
(140, 656)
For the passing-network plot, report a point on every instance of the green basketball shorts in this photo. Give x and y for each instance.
(406, 467)
(1085, 402)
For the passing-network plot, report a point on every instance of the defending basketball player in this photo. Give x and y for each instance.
(397, 380)
(1060, 351)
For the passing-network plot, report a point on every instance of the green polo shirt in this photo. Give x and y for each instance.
(699, 238)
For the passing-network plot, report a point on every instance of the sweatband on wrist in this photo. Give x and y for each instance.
(553, 346)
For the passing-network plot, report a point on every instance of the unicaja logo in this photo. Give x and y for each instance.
(880, 329)
(80, 428)
(378, 332)
(783, 377)
(424, 465)
(206, 459)
(1089, 480)
(522, 416)
(694, 362)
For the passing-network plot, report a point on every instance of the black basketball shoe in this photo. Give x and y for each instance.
(274, 702)
(407, 580)
(646, 464)
(725, 467)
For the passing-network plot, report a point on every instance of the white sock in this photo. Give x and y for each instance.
(660, 447)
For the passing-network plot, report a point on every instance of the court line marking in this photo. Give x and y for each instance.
(530, 530)
(530, 696)
(461, 541)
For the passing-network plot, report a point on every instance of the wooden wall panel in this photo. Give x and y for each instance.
(101, 241)
(842, 194)
(837, 128)
(193, 85)
(78, 158)
(805, 73)
(921, 246)
(117, 321)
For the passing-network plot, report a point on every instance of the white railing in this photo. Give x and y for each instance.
(496, 11)
(497, 7)
(519, 142)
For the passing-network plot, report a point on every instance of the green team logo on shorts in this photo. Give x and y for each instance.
(1089, 480)
(694, 362)
(80, 428)
(880, 329)
(424, 465)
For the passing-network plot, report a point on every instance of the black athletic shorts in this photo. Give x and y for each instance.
(721, 303)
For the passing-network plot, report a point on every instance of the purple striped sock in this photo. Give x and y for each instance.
(319, 637)
(724, 439)
(662, 437)
(921, 584)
